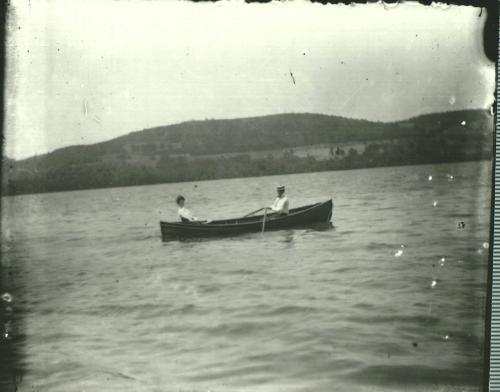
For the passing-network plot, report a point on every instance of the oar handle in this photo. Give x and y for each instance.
(260, 209)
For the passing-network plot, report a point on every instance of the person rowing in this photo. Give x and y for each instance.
(184, 213)
(280, 205)
(279, 208)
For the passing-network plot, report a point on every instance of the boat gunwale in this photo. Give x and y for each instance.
(212, 225)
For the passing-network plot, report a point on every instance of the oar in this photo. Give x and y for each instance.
(260, 209)
(264, 220)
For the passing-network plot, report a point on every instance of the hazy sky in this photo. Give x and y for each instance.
(87, 71)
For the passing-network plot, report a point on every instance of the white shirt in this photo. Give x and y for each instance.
(280, 205)
(186, 214)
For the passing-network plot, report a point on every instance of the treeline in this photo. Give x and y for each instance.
(197, 138)
(101, 174)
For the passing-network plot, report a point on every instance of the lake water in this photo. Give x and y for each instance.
(391, 298)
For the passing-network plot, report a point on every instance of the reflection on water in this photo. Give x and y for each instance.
(287, 236)
(391, 297)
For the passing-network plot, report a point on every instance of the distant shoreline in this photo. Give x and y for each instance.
(246, 118)
(253, 147)
(265, 175)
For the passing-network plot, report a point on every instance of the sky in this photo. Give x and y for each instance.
(82, 72)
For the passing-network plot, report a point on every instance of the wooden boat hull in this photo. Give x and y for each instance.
(298, 217)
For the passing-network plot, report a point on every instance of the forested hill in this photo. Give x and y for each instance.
(209, 149)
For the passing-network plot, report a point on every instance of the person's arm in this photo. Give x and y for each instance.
(193, 218)
(278, 206)
(186, 214)
(285, 206)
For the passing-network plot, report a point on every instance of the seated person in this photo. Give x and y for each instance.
(280, 205)
(184, 213)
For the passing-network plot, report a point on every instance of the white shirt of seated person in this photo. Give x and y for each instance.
(280, 205)
(186, 214)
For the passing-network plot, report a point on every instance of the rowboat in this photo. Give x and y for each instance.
(300, 217)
